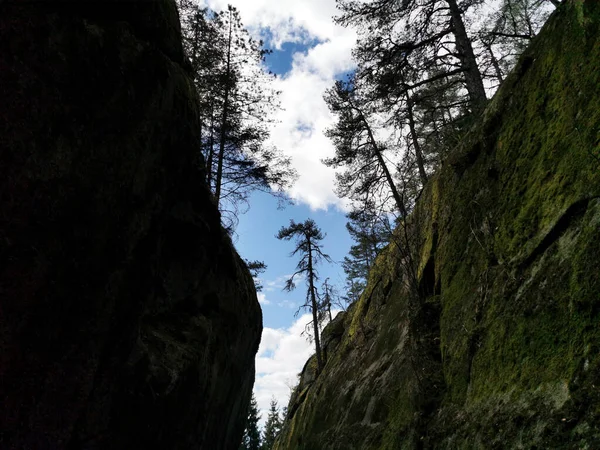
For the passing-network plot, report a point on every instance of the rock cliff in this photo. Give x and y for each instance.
(127, 319)
(504, 350)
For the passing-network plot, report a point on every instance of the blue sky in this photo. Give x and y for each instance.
(256, 241)
(255, 235)
(310, 52)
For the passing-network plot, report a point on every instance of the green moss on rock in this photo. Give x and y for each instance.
(505, 352)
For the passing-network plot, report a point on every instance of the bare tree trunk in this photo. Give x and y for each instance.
(201, 127)
(413, 134)
(388, 175)
(467, 58)
(224, 118)
(211, 147)
(328, 298)
(196, 44)
(556, 3)
(313, 299)
(495, 63)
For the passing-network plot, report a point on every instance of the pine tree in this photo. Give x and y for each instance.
(308, 238)
(256, 268)
(251, 437)
(237, 103)
(367, 173)
(272, 426)
(405, 50)
(427, 66)
(441, 116)
(204, 45)
(415, 35)
(370, 232)
(248, 101)
(327, 299)
(507, 31)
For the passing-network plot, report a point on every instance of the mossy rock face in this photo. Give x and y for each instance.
(127, 319)
(505, 351)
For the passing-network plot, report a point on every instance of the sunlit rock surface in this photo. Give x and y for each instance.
(505, 351)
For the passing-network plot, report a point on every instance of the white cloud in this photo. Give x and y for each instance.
(262, 298)
(281, 356)
(276, 284)
(287, 21)
(305, 117)
(288, 304)
(300, 132)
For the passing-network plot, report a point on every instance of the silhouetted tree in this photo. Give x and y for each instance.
(251, 437)
(366, 174)
(308, 239)
(246, 100)
(272, 426)
(327, 299)
(414, 35)
(237, 102)
(507, 32)
(256, 268)
(441, 116)
(370, 232)
(204, 45)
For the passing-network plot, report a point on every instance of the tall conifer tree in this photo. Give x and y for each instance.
(237, 105)
(272, 426)
(308, 239)
(251, 437)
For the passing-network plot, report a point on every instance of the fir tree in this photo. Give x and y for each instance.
(370, 233)
(251, 437)
(272, 427)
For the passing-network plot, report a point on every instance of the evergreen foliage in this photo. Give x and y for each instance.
(327, 298)
(506, 33)
(308, 239)
(423, 68)
(251, 438)
(367, 174)
(256, 268)
(370, 233)
(272, 427)
(237, 106)
(424, 71)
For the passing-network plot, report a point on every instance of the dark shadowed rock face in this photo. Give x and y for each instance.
(127, 320)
